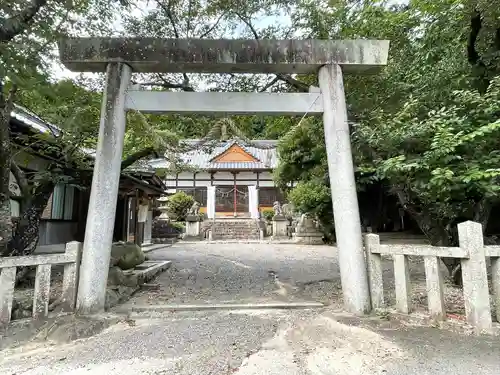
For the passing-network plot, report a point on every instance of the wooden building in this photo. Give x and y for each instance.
(65, 215)
(231, 167)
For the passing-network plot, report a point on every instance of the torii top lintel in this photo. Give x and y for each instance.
(157, 55)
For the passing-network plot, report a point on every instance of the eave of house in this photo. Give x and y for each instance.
(24, 122)
(142, 185)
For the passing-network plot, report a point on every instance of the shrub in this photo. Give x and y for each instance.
(179, 205)
(314, 198)
(310, 197)
(177, 225)
(268, 214)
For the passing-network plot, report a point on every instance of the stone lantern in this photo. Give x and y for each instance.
(163, 209)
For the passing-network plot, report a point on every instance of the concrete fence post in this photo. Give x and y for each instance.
(435, 288)
(7, 282)
(374, 259)
(474, 275)
(41, 293)
(70, 277)
(211, 202)
(495, 280)
(402, 283)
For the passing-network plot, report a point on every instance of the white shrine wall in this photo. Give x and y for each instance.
(221, 178)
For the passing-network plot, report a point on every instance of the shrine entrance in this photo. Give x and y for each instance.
(120, 57)
(231, 201)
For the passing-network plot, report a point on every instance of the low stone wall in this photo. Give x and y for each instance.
(164, 229)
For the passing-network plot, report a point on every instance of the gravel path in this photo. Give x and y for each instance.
(261, 342)
(243, 273)
(310, 342)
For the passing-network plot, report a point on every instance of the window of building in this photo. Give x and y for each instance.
(269, 195)
(198, 193)
(60, 205)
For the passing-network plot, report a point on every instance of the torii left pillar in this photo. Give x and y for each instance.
(103, 196)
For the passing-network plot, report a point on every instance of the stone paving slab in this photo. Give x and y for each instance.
(219, 306)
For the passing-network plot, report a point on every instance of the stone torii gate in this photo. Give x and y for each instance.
(120, 57)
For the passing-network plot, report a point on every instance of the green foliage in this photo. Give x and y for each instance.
(443, 165)
(29, 31)
(302, 154)
(311, 197)
(177, 225)
(28, 51)
(268, 214)
(426, 126)
(179, 205)
(71, 107)
(314, 198)
(428, 48)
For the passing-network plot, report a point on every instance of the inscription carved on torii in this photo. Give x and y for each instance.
(120, 57)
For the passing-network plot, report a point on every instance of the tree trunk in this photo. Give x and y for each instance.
(26, 229)
(482, 212)
(438, 233)
(5, 159)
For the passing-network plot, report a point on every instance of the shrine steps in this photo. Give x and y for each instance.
(235, 229)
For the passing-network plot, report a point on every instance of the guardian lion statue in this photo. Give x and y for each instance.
(195, 209)
(277, 209)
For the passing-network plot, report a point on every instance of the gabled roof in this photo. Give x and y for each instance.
(202, 158)
(237, 146)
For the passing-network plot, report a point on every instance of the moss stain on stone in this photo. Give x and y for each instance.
(206, 56)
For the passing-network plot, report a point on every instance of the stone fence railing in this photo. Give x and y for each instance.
(472, 252)
(8, 267)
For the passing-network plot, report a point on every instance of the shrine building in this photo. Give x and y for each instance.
(227, 178)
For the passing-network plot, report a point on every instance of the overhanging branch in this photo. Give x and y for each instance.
(167, 84)
(301, 86)
(269, 84)
(13, 26)
(21, 179)
(127, 162)
(280, 77)
(405, 201)
(167, 8)
(212, 28)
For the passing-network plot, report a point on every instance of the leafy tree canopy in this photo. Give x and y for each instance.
(426, 127)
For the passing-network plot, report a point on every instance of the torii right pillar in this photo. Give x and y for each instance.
(353, 271)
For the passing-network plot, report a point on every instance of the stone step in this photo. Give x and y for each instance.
(240, 229)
